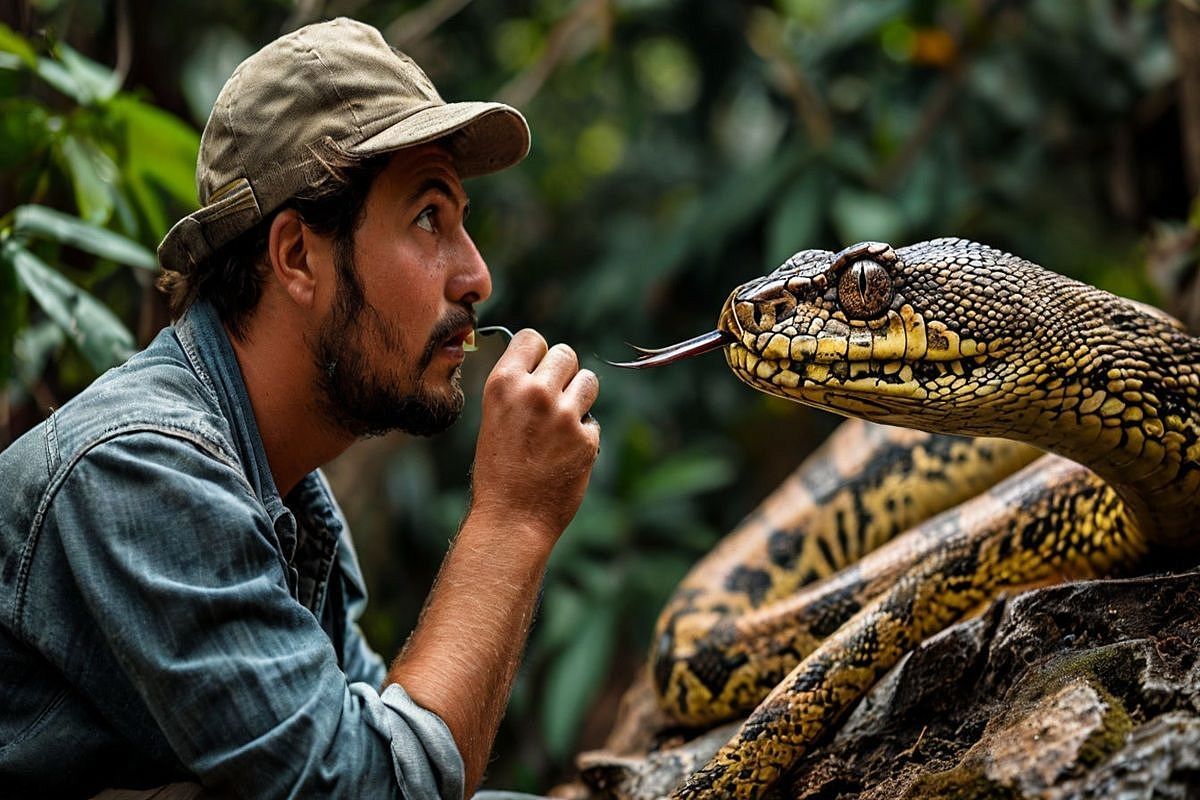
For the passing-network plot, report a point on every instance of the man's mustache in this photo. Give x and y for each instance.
(454, 321)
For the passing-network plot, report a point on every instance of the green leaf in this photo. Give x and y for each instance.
(91, 172)
(162, 155)
(34, 348)
(78, 77)
(12, 42)
(98, 82)
(58, 76)
(25, 133)
(574, 678)
(598, 524)
(563, 611)
(100, 336)
(684, 475)
(47, 223)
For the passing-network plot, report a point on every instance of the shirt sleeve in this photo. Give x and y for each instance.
(177, 563)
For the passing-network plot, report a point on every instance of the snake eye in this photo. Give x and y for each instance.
(864, 290)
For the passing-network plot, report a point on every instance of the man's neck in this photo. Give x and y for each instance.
(280, 382)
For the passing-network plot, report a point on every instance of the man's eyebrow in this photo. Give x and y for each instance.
(440, 186)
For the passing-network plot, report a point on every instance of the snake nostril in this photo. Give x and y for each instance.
(747, 316)
(785, 306)
(764, 306)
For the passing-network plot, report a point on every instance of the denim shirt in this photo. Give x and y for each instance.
(165, 615)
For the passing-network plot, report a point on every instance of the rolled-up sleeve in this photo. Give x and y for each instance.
(177, 563)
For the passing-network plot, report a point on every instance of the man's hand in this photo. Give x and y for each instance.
(535, 450)
(532, 463)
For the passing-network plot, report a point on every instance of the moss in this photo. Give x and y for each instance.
(1106, 669)
(960, 783)
(1110, 668)
(1112, 732)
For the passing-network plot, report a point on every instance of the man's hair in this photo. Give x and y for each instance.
(232, 277)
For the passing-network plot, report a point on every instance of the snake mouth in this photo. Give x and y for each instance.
(697, 345)
(894, 390)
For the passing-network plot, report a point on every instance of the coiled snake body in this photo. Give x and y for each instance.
(947, 337)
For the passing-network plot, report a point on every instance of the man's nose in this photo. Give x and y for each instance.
(472, 282)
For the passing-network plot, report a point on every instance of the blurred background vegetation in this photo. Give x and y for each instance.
(679, 149)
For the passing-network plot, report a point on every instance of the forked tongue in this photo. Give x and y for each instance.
(705, 342)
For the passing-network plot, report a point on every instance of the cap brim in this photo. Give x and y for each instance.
(483, 137)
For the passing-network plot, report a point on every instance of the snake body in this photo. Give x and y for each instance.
(947, 337)
(798, 567)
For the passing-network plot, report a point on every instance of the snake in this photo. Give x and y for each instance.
(1010, 426)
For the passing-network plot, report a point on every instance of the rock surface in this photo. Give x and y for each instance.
(1084, 690)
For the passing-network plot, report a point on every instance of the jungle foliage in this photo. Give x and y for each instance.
(679, 149)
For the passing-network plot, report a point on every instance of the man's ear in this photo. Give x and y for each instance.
(295, 254)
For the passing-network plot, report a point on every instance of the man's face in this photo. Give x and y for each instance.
(389, 348)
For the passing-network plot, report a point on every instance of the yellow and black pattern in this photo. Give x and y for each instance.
(1053, 519)
(947, 336)
(738, 623)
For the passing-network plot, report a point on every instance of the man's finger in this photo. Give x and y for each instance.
(582, 391)
(558, 367)
(525, 351)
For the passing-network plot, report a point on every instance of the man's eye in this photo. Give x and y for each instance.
(425, 219)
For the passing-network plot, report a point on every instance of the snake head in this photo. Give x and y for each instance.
(758, 305)
(868, 331)
(860, 277)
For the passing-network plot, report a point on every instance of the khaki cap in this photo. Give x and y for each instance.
(333, 81)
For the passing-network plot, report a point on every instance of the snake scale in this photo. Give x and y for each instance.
(947, 338)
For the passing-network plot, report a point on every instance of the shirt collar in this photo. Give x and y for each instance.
(207, 346)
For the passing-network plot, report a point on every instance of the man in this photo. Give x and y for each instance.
(179, 588)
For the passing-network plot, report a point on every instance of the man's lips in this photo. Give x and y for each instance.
(457, 338)
(452, 346)
(447, 337)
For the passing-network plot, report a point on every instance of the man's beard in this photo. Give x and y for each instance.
(363, 402)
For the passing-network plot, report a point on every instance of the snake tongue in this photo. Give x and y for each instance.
(713, 340)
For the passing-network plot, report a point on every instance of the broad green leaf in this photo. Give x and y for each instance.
(598, 524)
(33, 349)
(100, 336)
(25, 134)
(162, 154)
(47, 223)
(15, 44)
(58, 76)
(160, 145)
(563, 610)
(91, 172)
(574, 677)
(684, 475)
(98, 81)
(658, 573)
(148, 203)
